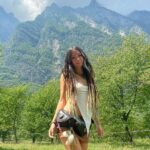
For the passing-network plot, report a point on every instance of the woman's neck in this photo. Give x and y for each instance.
(79, 72)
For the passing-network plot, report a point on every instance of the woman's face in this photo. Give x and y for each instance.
(77, 59)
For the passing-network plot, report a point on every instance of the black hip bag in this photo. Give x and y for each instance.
(65, 120)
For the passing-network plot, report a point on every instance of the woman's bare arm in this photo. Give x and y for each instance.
(98, 125)
(62, 99)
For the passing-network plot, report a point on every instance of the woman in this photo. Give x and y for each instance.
(78, 95)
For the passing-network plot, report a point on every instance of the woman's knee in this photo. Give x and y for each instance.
(75, 145)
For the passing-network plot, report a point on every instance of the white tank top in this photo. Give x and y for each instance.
(81, 97)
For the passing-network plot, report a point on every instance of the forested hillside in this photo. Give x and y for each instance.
(36, 51)
(142, 18)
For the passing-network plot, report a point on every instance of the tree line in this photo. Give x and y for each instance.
(123, 81)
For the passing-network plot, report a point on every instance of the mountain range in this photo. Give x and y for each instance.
(142, 18)
(8, 24)
(36, 50)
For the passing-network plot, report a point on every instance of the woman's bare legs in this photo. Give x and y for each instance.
(84, 142)
(79, 143)
(84, 145)
(74, 146)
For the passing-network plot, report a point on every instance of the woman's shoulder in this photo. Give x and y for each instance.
(62, 77)
(65, 80)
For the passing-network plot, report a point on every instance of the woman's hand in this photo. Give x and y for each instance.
(100, 131)
(99, 128)
(52, 130)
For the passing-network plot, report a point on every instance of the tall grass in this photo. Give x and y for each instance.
(140, 144)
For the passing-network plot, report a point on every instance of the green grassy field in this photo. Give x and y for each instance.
(143, 144)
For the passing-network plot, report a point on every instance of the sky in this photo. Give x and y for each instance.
(28, 9)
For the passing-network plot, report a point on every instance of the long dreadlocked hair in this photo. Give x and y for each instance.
(69, 75)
